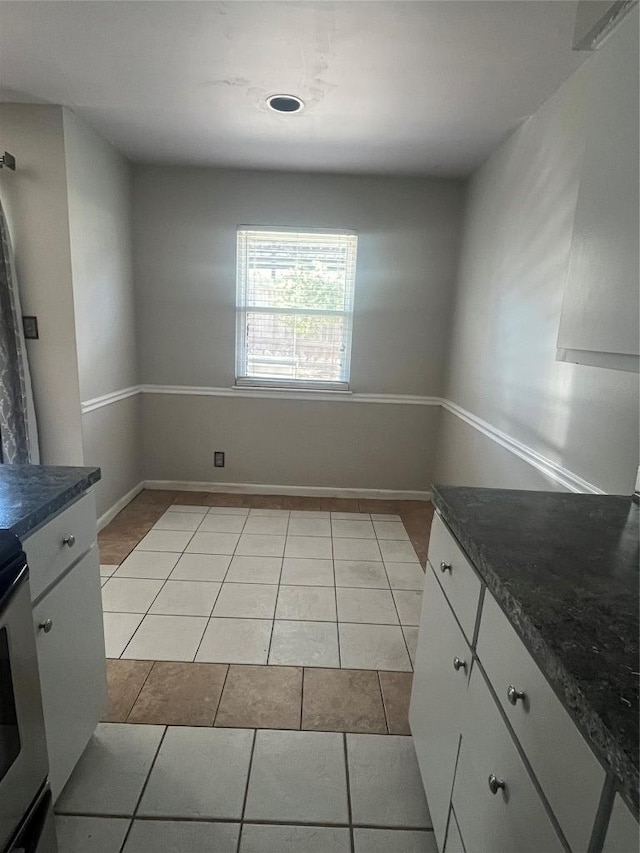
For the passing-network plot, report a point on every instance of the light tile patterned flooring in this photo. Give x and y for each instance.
(145, 789)
(267, 586)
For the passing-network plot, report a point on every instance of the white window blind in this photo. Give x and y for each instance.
(294, 307)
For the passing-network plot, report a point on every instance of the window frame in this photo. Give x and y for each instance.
(241, 355)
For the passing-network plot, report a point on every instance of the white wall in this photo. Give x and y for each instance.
(98, 189)
(503, 368)
(185, 223)
(35, 201)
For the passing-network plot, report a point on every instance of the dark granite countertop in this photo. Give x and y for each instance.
(30, 494)
(564, 568)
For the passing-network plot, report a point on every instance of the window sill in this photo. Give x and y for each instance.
(291, 392)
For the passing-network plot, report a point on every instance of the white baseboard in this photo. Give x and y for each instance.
(120, 504)
(300, 491)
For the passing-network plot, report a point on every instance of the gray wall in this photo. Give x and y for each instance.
(98, 188)
(502, 367)
(185, 224)
(35, 201)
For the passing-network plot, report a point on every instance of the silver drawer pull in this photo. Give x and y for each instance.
(496, 784)
(46, 626)
(445, 567)
(69, 540)
(458, 663)
(513, 695)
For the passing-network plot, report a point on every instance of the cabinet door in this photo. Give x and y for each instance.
(454, 839)
(513, 818)
(437, 699)
(72, 665)
(623, 834)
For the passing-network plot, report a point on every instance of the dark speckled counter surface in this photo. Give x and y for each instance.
(30, 494)
(564, 569)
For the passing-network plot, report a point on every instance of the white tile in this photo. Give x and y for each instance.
(411, 639)
(300, 572)
(118, 630)
(229, 510)
(306, 602)
(253, 545)
(164, 540)
(167, 638)
(222, 524)
(409, 604)
(397, 552)
(311, 780)
(186, 598)
(235, 641)
(282, 513)
(405, 575)
(309, 527)
(182, 836)
(179, 521)
(254, 570)
(350, 516)
(383, 516)
(390, 530)
(90, 834)
(213, 543)
(356, 549)
(361, 573)
(384, 781)
(246, 600)
(304, 644)
(103, 580)
(313, 547)
(148, 564)
(129, 595)
(267, 524)
(309, 513)
(200, 772)
(109, 777)
(265, 838)
(107, 570)
(373, 647)
(201, 567)
(357, 529)
(394, 841)
(366, 605)
(199, 508)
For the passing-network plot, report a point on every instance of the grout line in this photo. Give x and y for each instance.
(246, 790)
(144, 787)
(384, 704)
(224, 684)
(146, 678)
(126, 836)
(348, 784)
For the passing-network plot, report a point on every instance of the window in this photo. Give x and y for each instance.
(295, 307)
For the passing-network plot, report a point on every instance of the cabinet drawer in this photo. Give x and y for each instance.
(549, 737)
(72, 665)
(49, 555)
(512, 819)
(438, 698)
(458, 578)
(623, 833)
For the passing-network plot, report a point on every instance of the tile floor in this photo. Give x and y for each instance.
(146, 788)
(238, 585)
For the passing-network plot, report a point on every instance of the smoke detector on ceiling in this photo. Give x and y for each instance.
(287, 104)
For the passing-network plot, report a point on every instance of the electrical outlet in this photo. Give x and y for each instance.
(218, 459)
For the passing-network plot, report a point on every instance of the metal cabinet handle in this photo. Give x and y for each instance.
(445, 567)
(513, 695)
(496, 784)
(46, 626)
(458, 663)
(69, 540)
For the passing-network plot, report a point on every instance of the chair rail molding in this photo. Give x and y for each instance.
(553, 470)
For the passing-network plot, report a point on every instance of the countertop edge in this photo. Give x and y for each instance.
(574, 701)
(50, 507)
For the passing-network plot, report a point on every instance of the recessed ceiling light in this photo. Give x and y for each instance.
(285, 104)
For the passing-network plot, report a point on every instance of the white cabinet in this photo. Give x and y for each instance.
(454, 842)
(71, 658)
(443, 660)
(497, 819)
(623, 834)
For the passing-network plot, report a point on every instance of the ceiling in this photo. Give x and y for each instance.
(390, 87)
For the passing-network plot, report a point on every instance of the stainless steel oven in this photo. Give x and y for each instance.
(25, 804)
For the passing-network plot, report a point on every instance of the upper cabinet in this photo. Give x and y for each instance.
(599, 322)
